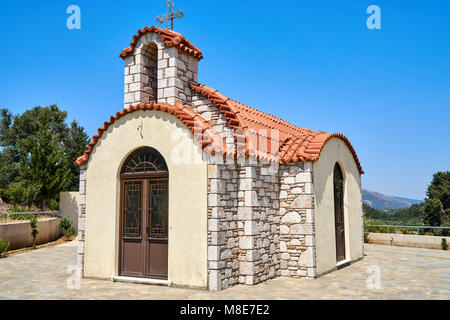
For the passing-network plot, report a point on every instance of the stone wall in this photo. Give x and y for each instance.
(297, 221)
(223, 228)
(205, 108)
(243, 224)
(155, 72)
(81, 219)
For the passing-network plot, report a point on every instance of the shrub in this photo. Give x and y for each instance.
(66, 224)
(34, 231)
(444, 244)
(4, 246)
(21, 193)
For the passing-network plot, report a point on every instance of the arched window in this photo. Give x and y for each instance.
(149, 73)
(338, 186)
(145, 160)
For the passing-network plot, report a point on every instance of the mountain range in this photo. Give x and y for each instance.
(381, 201)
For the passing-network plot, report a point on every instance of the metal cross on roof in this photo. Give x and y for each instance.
(170, 15)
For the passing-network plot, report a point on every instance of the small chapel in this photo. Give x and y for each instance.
(187, 187)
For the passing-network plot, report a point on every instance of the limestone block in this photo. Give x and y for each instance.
(306, 258)
(247, 268)
(309, 215)
(250, 172)
(225, 255)
(311, 272)
(283, 194)
(170, 72)
(303, 177)
(250, 228)
(296, 191)
(251, 199)
(302, 202)
(213, 224)
(217, 238)
(301, 273)
(245, 213)
(304, 229)
(289, 180)
(308, 188)
(284, 229)
(245, 184)
(169, 92)
(178, 63)
(213, 200)
(213, 171)
(291, 218)
(252, 255)
(309, 240)
(283, 247)
(215, 283)
(81, 223)
(213, 253)
(246, 242)
(307, 166)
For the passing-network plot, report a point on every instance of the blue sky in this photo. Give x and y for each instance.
(313, 63)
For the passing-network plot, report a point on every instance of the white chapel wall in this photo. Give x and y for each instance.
(335, 150)
(187, 196)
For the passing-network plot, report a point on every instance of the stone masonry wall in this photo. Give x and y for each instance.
(204, 107)
(257, 212)
(81, 220)
(297, 221)
(243, 224)
(223, 227)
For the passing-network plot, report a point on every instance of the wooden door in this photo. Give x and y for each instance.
(132, 236)
(338, 180)
(157, 229)
(144, 216)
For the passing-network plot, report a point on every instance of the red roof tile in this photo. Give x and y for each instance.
(295, 143)
(202, 130)
(169, 37)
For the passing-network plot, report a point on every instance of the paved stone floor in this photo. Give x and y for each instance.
(405, 273)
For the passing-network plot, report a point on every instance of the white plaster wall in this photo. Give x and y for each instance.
(68, 207)
(334, 151)
(187, 196)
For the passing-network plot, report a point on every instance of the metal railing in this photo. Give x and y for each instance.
(387, 226)
(4, 215)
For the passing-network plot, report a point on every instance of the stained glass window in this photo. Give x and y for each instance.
(132, 209)
(145, 160)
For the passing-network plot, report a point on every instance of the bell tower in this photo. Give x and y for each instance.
(160, 65)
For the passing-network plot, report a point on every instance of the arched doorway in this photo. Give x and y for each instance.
(338, 185)
(144, 215)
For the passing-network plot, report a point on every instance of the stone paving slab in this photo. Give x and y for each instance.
(405, 273)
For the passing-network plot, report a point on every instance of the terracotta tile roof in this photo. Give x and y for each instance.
(295, 143)
(203, 132)
(170, 39)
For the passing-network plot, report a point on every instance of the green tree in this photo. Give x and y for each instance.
(433, 212)
(46, 167)
(19, 139)
(437, 203)
(74, 142)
